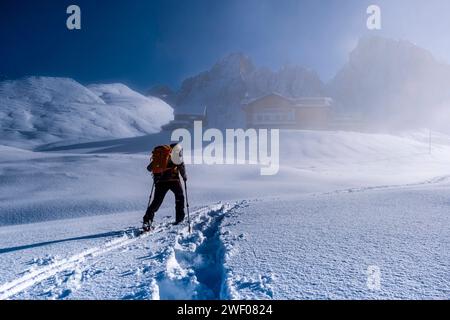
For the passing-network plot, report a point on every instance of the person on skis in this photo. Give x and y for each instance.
(166, 166)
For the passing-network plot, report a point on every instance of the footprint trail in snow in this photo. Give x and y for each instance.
(187, 266)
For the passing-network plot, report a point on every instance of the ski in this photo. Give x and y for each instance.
(146, 229)
(139, 231)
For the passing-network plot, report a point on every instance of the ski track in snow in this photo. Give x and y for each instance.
(35, 276)
(193, 264)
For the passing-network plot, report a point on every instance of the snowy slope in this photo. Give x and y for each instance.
(320, 246)
(341, 202)
(68, 184)
(309, 247)
(94, 258)
(40, 110)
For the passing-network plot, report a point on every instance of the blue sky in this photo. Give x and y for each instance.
(142, 43)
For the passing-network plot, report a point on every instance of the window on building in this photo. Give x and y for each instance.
(274, 116)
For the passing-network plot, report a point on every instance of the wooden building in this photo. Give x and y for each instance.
(274, 111)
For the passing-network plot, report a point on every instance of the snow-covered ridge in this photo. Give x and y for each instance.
(41, 110)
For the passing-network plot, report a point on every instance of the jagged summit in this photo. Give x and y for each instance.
(234, 65)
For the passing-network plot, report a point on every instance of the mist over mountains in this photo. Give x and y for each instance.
(386, 83)
(393, 84)
(233, 80)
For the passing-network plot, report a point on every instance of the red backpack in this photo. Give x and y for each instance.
(160, 159)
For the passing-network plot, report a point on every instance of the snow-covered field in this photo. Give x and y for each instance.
(341, 202)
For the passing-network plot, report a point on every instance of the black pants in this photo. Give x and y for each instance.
(161, 188)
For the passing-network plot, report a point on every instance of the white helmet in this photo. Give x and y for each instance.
(177, 154)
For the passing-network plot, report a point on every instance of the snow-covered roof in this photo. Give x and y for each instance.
(303, 102)
(198, 111)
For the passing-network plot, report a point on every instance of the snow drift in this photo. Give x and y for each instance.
(41, 110)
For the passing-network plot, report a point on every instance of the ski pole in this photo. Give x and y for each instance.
(151, 195)
(187, 205)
